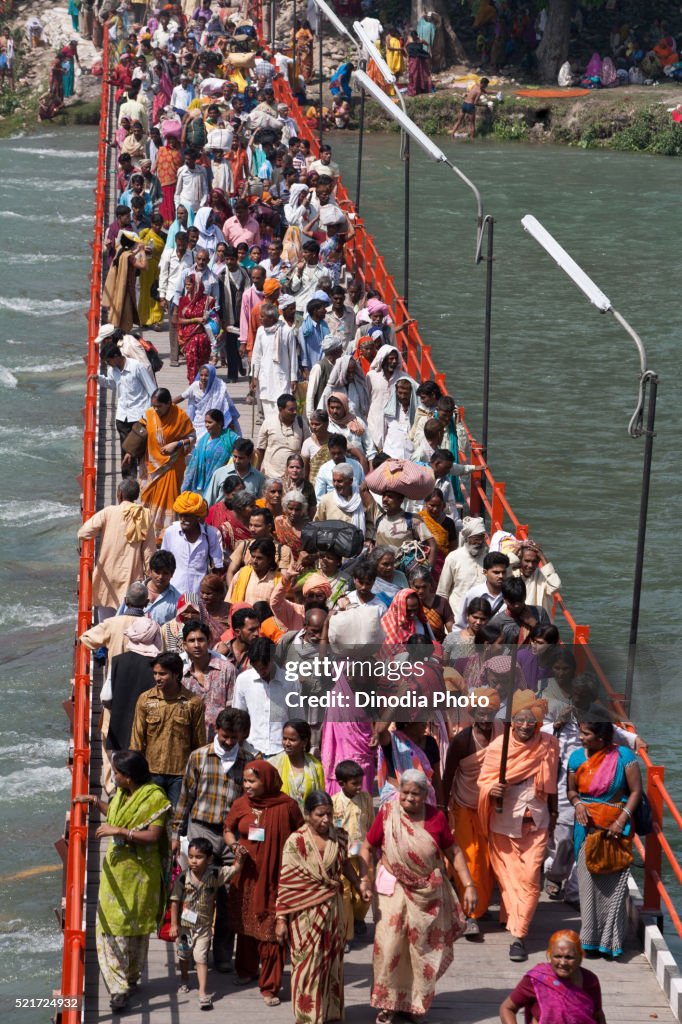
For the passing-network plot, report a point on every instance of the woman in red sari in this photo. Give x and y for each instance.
(260, 822)
(310, 911)
(193, 312)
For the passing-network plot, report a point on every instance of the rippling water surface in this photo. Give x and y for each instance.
(46, 207)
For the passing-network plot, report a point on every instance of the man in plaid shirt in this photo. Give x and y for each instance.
(212, 782)
(263, 70)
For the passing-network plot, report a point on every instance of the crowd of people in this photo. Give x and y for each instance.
(253, 596)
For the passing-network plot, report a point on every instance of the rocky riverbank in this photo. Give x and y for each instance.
(19, 109)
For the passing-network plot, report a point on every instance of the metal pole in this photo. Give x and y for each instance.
(486, 343)
(293, 53)
(273, 22)
(361, 133)
(641, 540)
(320, 33)
(406, 236)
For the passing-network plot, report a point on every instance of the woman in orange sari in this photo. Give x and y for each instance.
(168, 163)
(304, 51)
(170, 436)
(463, 764)
(605, 787)
(517, 826)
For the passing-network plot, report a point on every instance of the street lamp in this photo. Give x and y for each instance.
(648, 379)
(484, 223)
(372, 53)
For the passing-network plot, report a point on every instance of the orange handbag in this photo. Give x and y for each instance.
(605, 854)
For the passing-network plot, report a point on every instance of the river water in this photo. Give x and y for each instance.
(563, 387)
(46, 204)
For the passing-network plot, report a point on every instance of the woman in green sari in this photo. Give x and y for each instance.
(132, 890)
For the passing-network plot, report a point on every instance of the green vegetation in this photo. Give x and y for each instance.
(625, 120)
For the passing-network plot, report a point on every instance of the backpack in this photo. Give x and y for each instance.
(155, 360)
(196, 133)
(344, 539)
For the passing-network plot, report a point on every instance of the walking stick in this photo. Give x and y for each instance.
(507, 724)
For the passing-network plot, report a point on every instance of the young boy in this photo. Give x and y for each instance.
(353, 812)
(434, 431)
(192, 905)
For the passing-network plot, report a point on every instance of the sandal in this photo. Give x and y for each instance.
(206, 1002)
(184, 988)
(272, 1000)
(553, 889)
(385, 1017)
(119, 1001)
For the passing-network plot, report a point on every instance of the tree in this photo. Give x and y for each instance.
(553, 49)
(447, 49)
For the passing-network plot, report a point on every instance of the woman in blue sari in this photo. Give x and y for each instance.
(213, 450)
(340, 80)
(605, 787)
(184, 218)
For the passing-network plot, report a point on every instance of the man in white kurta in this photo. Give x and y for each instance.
(463, 567)
(274, 363)
(542, 581)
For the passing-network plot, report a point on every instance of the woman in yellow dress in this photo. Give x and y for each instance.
(151, 313)
(395, 52)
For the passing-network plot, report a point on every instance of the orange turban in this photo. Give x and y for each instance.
(271, 287)
(525, 700)
(316, 581)
(492, 695)
(190, 504)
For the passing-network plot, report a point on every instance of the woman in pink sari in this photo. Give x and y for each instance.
(557, 991)
(345, 737)
(193, 313)
(418, 918)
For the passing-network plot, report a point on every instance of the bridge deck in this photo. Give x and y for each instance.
(476, 983)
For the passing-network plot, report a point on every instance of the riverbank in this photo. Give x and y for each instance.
(19, 108)
(634, 119)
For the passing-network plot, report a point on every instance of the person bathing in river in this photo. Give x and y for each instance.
(468, 111)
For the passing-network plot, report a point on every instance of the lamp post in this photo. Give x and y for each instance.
(371, 52)
(320, 36)
(648, 382)
(484, 224)
(294, 70)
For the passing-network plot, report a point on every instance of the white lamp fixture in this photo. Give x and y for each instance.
(365, 82)
(567, 263)
(372, 53)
